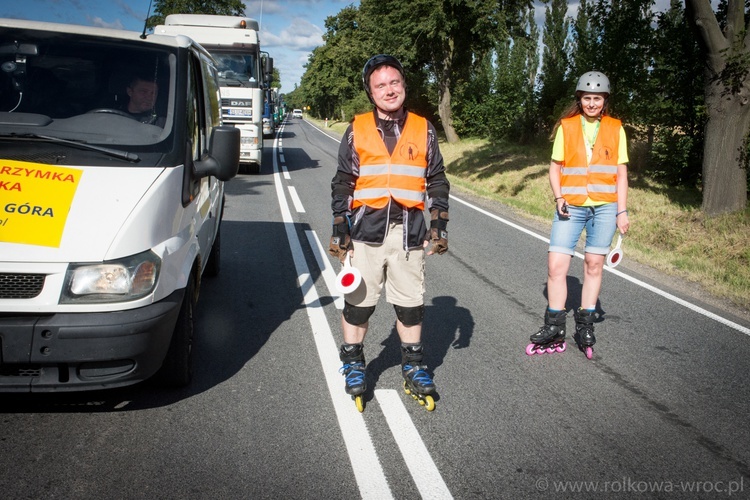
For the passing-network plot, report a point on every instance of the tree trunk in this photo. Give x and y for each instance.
(444, 99)
(727, 105)
(724, 171)
(446, 115)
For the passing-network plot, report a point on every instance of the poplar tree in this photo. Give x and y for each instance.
(555, 62)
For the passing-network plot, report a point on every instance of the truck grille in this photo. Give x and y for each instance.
(20, 286)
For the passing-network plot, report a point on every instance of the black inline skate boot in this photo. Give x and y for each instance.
(353, 357)
(551, 337)
(585, 331)
(417, 382)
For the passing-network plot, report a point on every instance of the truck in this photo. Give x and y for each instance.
(113, 159)
(244, 73)
(271, 116)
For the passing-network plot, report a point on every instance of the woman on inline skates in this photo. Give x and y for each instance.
(588, 177)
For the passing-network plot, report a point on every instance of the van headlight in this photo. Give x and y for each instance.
(118, 280)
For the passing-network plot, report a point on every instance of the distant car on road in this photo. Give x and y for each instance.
(296, 113)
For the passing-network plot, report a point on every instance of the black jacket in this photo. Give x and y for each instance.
(369, 225)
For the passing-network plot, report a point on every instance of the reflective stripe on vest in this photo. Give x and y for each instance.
(400, 176)
(598, 180)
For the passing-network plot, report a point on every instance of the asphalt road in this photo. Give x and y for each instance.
(659, 412)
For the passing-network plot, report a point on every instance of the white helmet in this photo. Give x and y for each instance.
(593, 81)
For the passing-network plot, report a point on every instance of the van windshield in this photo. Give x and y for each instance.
(94, 90)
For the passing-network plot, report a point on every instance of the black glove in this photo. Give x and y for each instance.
(438, 232)
(340, 241)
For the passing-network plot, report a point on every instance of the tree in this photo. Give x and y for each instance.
(675, 112)
(332, 82)
(442, 37)
(727, 96)
(162, 8)
(555, 60)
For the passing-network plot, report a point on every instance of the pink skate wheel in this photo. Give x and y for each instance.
(561, 347)
(530, 349)
(589, 352)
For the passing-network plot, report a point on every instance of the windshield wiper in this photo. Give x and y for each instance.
(116, 153)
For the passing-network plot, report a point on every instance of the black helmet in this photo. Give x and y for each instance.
(375, 62)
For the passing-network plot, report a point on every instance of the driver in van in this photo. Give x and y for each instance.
(142, 100)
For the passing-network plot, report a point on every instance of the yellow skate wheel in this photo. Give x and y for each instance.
(406, 388)
(429, 403)
(360, 403)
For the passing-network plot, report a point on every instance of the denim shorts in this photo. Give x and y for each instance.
(600, 223)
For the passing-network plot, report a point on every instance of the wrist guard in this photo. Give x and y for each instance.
(438, 232)
(340, 240)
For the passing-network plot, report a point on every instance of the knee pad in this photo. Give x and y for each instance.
(409, 316)
(357, 315)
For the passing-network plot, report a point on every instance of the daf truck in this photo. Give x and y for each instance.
(244, 73)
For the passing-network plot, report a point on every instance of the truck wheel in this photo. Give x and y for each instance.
(213, 265)
(177, 369)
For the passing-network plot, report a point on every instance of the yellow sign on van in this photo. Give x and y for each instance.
(35, 200)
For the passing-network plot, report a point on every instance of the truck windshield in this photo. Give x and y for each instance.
(241, 68)
(91, 90)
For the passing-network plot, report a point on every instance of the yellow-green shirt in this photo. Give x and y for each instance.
(590, 130)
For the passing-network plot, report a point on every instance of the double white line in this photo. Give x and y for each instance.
(368, 471)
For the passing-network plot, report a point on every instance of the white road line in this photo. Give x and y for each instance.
(326, 270)
(418, 460)
(640, 283)
(295, 199)
(368, 471)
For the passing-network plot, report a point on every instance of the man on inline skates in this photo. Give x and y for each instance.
(389, 162)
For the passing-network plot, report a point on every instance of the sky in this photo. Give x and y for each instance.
(289, 29)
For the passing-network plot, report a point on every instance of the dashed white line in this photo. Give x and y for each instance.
(418, 460)
(329, 275)
(295, 199)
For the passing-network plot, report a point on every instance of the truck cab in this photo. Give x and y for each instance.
(244, 73)
(113, 158)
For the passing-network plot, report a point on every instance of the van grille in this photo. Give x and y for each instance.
(20, 286)
(20, 370)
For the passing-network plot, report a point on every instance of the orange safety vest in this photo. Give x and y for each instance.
(382, 176)
(596, 179)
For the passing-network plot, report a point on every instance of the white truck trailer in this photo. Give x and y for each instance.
(244, 73)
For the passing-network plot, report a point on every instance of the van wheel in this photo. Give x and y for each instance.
(177, 369)
(213, 265)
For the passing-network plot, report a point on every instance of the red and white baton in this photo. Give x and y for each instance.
(349, 277)
(615, 256)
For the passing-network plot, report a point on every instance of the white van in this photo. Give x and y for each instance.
(112, 162)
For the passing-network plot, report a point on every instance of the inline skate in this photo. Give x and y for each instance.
(355, 376)
(417, 382)
(584, 335)
(551, 337)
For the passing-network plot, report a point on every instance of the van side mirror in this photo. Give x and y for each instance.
(223, 160)
(268, 70)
